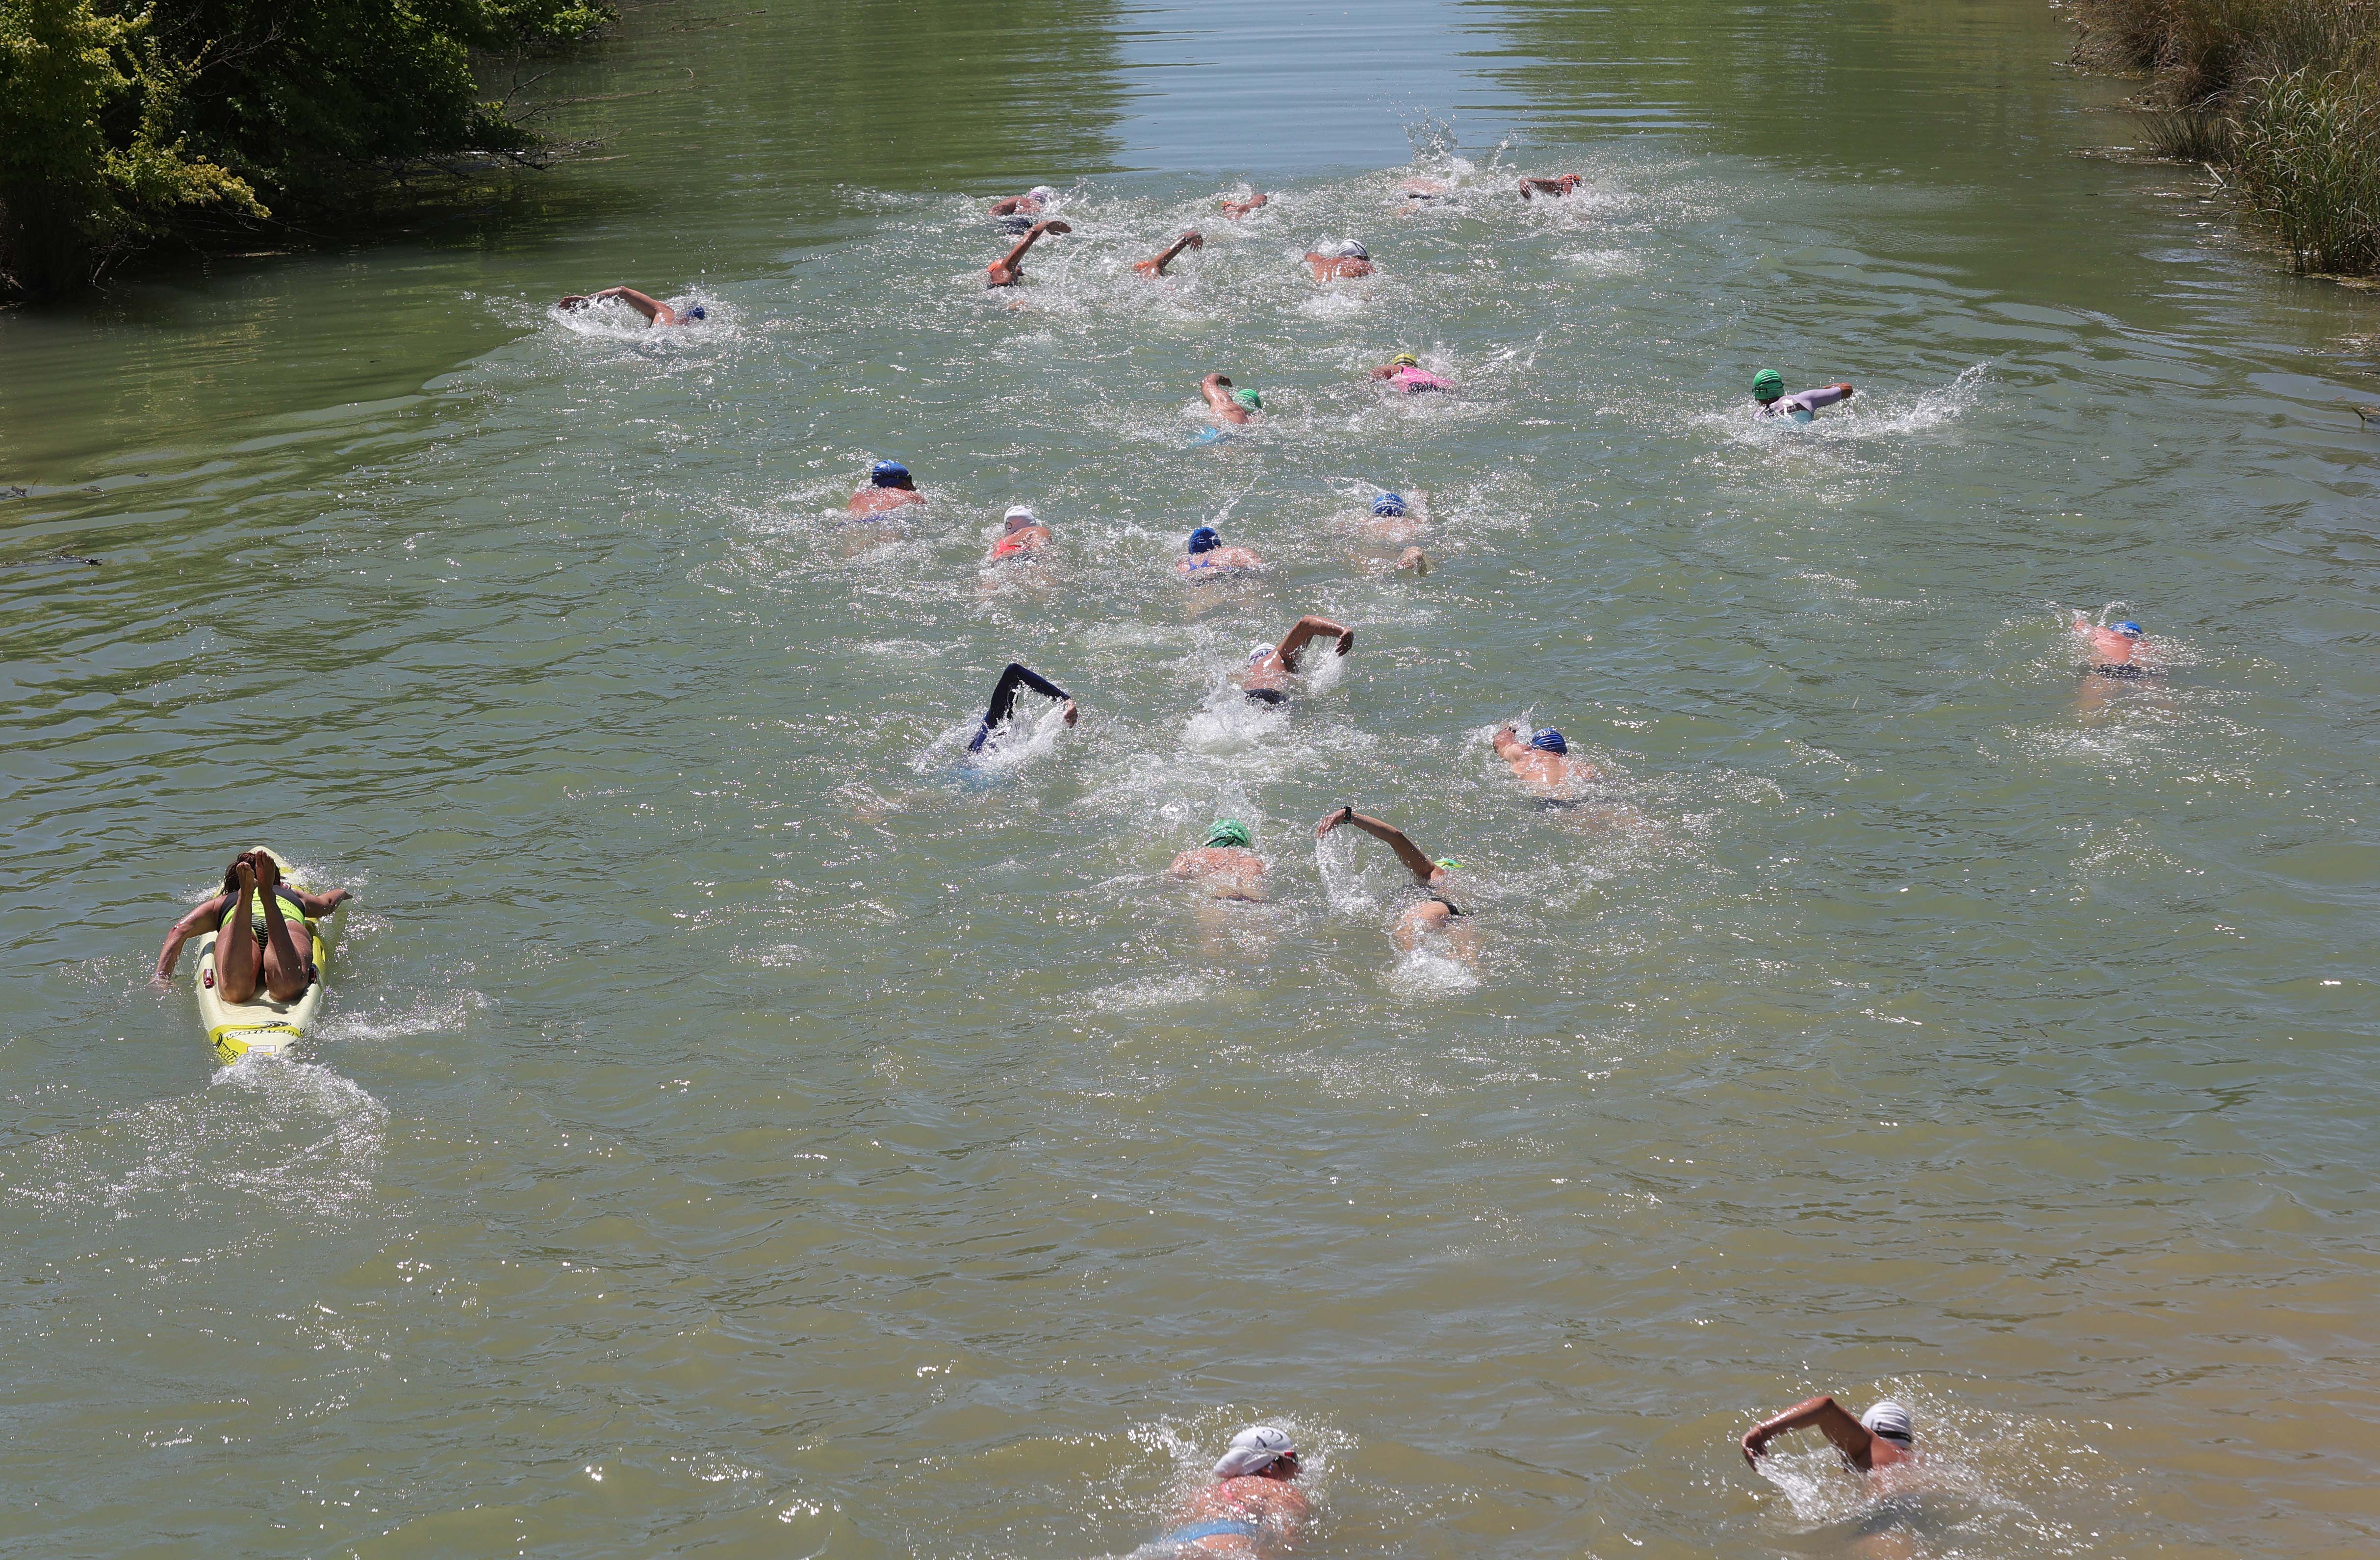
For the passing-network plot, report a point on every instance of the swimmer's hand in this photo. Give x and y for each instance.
(1053, 225)
(1346, 641)
(1072, 715)
(1845, 386)
(1756, 1444)
(1331, 820)
(573, 302)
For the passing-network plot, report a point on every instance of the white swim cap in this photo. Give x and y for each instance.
(1257, 654)
(1888, 1420)
(1253, 1450)
(1019, 512)
(1044, 191)
(1348, 249)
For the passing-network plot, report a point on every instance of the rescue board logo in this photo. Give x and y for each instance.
(207, 979)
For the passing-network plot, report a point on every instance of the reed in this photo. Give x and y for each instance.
(2285, 92)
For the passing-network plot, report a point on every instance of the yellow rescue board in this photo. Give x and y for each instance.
(262, 1025)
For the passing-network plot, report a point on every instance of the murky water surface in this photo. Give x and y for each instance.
(737, 1127)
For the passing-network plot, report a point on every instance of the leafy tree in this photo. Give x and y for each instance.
(91, 163)
(121, 126)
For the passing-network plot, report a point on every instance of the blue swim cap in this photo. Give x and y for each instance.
(1550, 740)
(697, 312)
(886, 472)
(1389, 504)
(1206, 539)
(2130, 630)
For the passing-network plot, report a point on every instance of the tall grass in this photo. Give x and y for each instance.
(2286, 92)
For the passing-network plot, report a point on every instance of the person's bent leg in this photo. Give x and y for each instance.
(288, 969)
(240, 963)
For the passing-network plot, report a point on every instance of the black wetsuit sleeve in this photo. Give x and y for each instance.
(1004, 698)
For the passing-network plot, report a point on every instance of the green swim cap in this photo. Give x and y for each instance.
(1250, 400)
(1228, 831)
(1449, 863)
(1767, 384)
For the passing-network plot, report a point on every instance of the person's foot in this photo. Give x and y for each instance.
(243, 874)
(268, 872)
(1415, 559)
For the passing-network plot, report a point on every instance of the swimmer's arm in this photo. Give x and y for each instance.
(1388, 834)
(1007, 207)
(1508, 743)
(651, 309)
(1215, 388)
(189, 926)
(1836, 1422)
(1307, 629)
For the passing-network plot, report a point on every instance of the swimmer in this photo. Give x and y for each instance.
(1436, 911)
(1003, 701)
(1420, 191)
(1878, 1444)
(1769, 389)
(655, 311)
(1238, 209)
(1009, 269)
(1404, 373)
(278, 956)
(1344, 259)
(1032, 204)
(1557, 188)
(1394, 520)
(1021, 535)
(1542, 762)
(1877, 1440)
(1155, 266)
(1272, 665)
(1250, 1508)
(2112, 648)
(1227, 865)
(1231, 405)
(890, 486)
(1208, 556)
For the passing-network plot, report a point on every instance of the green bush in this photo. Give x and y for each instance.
(2308, 161)
(121, 126)
(2283, 91)
(91, 160)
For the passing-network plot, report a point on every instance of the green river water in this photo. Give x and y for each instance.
(735, 1128)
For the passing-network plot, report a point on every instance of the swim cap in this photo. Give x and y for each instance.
(1767, 384)
(1348, 249)
(1449, 863)
(1389, 504)
(1551, 741)
(2130, 630)
(697, 312)
(1407, 358)
(1206, 539)
(1888, 1420)
(1043, 191)
(1018, 515)
(1258, 653)
(885, 474)
(1249, 399)
(1253, 1450)
(1227, 830)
